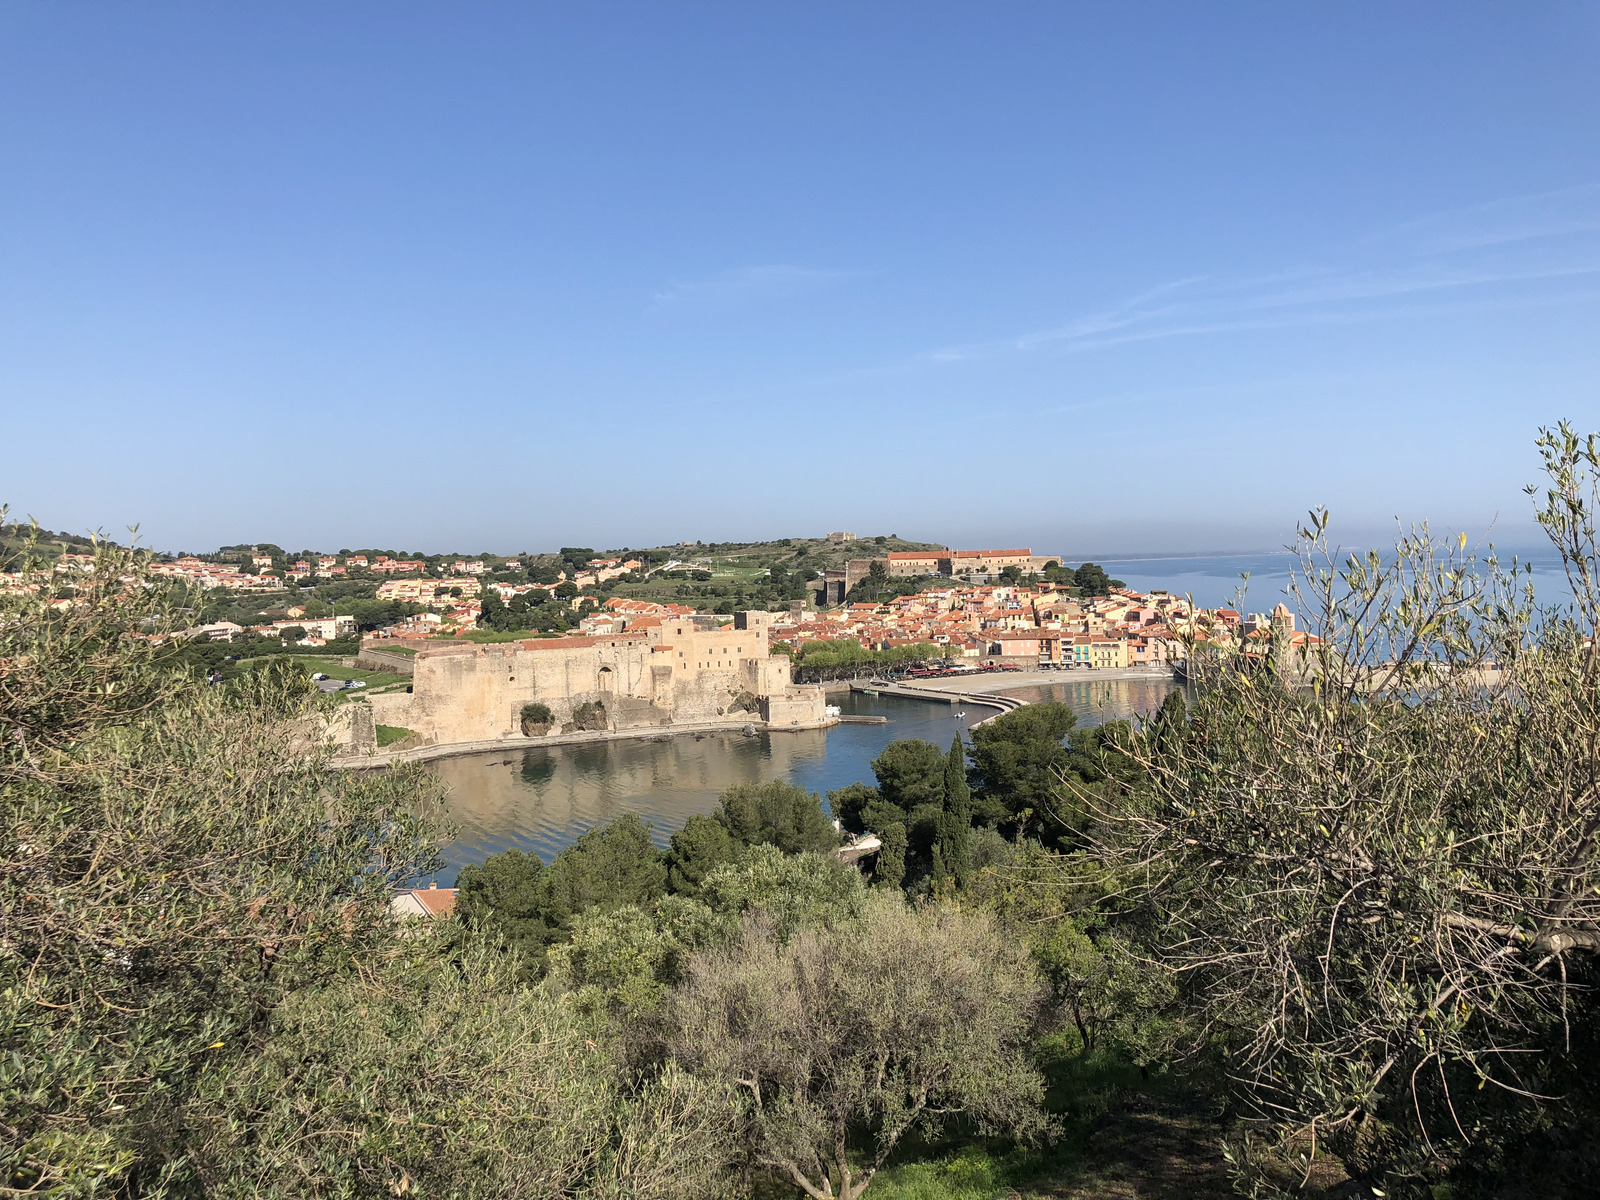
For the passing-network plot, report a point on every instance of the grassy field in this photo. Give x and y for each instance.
(734, 572)
(661, 591)
(1120, 1136)
(388, 735)
(740, 571)
(376, 681)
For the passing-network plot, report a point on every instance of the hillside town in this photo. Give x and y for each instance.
(974, 608)
(1035, 622)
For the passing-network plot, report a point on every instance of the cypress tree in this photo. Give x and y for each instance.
(891, 869)
(1167, 729)
(955, 825)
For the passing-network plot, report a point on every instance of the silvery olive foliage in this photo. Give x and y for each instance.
(1374, 855)
(841, 1040)
(202, 991)
(177, 858)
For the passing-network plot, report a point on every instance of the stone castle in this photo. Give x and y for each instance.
(680, 671)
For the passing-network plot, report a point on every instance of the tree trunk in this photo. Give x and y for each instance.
(825, 1192)
(840, 1157)
(854, 1192)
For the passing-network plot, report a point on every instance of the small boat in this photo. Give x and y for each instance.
(868, 692)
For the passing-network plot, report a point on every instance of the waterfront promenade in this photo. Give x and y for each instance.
(1000, 682)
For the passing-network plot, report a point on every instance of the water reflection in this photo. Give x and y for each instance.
(540, 800)
(1098, 701)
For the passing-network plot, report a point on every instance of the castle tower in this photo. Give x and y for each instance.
(1282, 660)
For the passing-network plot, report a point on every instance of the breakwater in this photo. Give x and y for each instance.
(878, 687)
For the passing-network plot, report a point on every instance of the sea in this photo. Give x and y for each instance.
(1258, 582)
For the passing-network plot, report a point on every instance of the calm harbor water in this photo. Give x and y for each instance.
(541, 799)
(1096, 701)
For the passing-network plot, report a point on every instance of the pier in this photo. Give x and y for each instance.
(882, 687)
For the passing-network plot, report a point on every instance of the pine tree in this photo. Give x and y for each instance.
(491, 608)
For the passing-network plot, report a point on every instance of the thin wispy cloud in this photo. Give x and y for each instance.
(1509, 219)
(1289, 320)
(1524, 250)
(745, 285)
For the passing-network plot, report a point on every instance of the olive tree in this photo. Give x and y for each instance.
(1376, 856)
(844, 1039)
(793, 891)
(178, 859)
(438, 1074)
(623, 961)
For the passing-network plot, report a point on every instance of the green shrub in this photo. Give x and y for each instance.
(589, 716)
(536, 720)
(434, 1073)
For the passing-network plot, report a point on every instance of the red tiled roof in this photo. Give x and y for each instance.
(437, 901)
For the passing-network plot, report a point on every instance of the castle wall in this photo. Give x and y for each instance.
(676, 673)
(803, 707)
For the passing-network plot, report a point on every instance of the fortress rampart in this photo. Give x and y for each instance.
(674, 673)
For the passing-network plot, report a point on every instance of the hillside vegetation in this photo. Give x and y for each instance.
(19, 538)
(1327, 933)
(818, 553)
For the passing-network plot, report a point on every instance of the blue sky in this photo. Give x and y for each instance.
(1095, 278)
